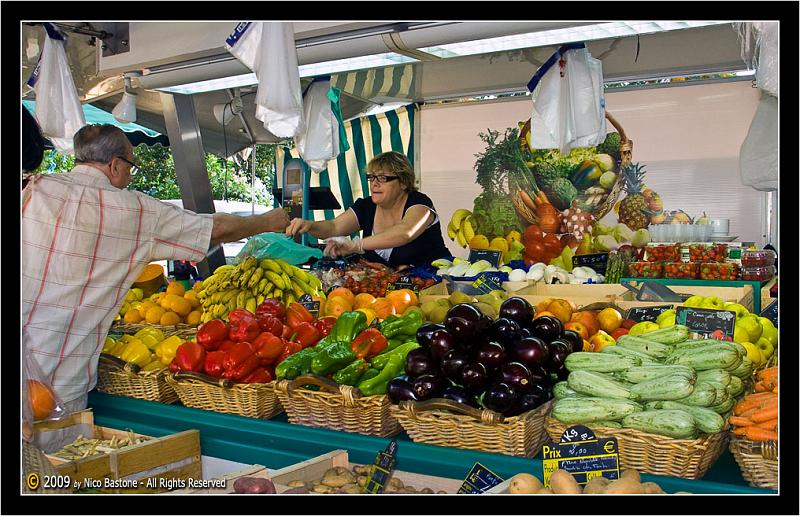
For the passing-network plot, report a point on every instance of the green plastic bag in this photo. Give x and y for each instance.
(277, 245)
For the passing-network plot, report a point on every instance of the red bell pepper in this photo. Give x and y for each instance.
(270, 324)
(290, 348)
(226, 345)
(239, 314)
(242, 369)
(271, 307)
(268, 347)
(369, 343)
(306, 334)
(213, 363)
(239, 361)
(259, 375)
(244, 326)
(190, 356)
(296, 314)
(211, 334)
(287, 332)
(324, 325)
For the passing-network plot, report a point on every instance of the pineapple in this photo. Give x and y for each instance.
(633, 208)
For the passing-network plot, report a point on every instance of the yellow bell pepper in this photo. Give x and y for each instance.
(137, 353)
(167, 348)
(150, 330)
(153, 366)
(118, 348)
(109, 344)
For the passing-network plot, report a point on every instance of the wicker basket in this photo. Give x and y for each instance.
(337, 407)
(198, 390)
(443, 422)
(115, 376)
(626, 154)
(657, 454)
(757, 460)
(183, 331)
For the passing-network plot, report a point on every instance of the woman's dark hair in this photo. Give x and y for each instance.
(32, 142)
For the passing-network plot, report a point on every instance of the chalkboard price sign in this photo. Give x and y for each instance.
(479, 480)
(581, 454)
(706, 323)
(771, 312)
(381, 470)
(311, 305)
(401, 283)
(486, 283)
(489, 255)
(646, 313)
(597, 261)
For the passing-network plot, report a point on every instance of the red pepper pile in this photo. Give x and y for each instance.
(719, 271)
(247, 348)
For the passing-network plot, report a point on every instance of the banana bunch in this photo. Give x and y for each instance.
(249, 283)
(460, 227)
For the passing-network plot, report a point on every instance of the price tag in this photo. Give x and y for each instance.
(771, 312)
(597, 261)
(403, 282)
(582, 455)
(646, 313)
(706, 323)
(479, 480)
(489, 255)
(311, 305)
(382, 470)
(486, 283)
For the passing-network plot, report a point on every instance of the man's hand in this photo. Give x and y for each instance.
(298, 227)
(277, 220)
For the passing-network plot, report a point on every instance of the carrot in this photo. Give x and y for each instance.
(526, 200)
(759, 434)
(769, 424)
(740, 430)
(740, 421)
(770, 372)
(543, 197)
(769, 412)
(751, 401)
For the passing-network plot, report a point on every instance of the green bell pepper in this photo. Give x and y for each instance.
(351, 374)
(379, 361)
(332, 358)
(393, 344)
(370, 373)
(378, 384)
(406, 325)
(296, 364)
(347, 326)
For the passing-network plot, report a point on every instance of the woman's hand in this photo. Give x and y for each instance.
(343, 247)
(298, 227)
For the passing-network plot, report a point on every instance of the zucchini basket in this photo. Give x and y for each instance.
(757, 460)
(337, 407)
(115, 376)
(444, 422)
(198, 390)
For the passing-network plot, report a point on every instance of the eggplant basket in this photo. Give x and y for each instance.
(443, 422)
(336, 407)
(116, 376)
(198, 390)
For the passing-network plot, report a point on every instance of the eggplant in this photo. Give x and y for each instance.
(525, 332)
(464, 311)
(425, 332)
(462, 329)
(531, 351)
(558, 353)
(505, 331)
(429, 386)
(499, 397)
(474, 376)
(546, 328)
(542, 389)
(517, 376)
(442, 341)
(517, 309)
(573, 338)
(524, 403)
(452, 364)
(539, 374)
(491, 354)
(459, 395)
(419, 362)
(401, 389)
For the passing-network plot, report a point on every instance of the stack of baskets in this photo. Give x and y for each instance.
(757, 460)
(184, 331)
(115, 376)
(197, 390)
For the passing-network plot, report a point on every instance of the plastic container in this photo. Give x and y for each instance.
(645, 270)
(757, 273)
(664, 253)
(719, 271)
(680, 270)
(704, 253)
(758, 258)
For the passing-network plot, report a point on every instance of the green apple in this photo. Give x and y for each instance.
(754, 354)
(694, 301)
(713, 302)
(752, 326)
(740, 310)
(666, 314)
(740, 334)
(643, 327)
(769, 330)
(766, 348)
(666, 322)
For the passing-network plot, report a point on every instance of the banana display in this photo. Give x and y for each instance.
(249, 283)
(460, 227)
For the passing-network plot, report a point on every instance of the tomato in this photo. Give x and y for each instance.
(551, 248)
(535, 250)
(552, 238)
(532, 233)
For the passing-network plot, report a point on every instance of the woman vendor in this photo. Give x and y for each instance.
(400, 225)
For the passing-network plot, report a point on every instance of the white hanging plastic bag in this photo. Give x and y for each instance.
(319, 143)
(758, 156)
(58, 108)
(549, 96)
(587, 122)
(759, 42)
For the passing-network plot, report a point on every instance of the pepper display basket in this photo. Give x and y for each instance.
(657, 454)
(115, 376)
(443, 422)
(757, 460)
(198, 390)
(183, 331)
(337, 407)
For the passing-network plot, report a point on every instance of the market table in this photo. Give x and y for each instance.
(755, 285)
(275, 443)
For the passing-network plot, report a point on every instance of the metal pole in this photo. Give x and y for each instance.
(253, 183)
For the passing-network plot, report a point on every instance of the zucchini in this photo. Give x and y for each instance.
(643, 345)
(608, 424)
(673, 386)
(670, 335)
(709, 344)
(598, 384)
(744, 370)
(646, 372)
(718, 377)
(591, 409)
(702, 359)
(672, 423)
(599, 362)
(722, 397)
(725, 407)
(562, 390)
(706, 419)
(736, 387)
(703, 395)
(628, 352)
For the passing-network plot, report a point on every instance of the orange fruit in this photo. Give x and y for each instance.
(363, 300)
(369, 312)
(383, 307)
(41, 398)
(145, 306)
(170, 319)
(132, 317)
(543, 313)
(589, 320)
(336, 306)
(176, 288)
(609, 319)
(154, 315)
(168, 300)
(542, 305)
(193, 318)
(182, 306)
(192, 297)
(400, 300)
(343, 292)
(561, 308)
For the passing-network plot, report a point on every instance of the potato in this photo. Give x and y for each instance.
(361, 470)
(396, 482)
(441, 492)
(337, 477)
(652, 488)
(408, 489)
(597, 485)
(296, 490)
(253, 485)
(426, 490)
(564, 483)
(524, 483)
(361, 481)
(544, 490)
(325, 489)
(349, 489)
(632, 474)
(627, 485)
(299, 483)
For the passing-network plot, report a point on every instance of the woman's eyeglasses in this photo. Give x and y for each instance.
(380, 179)
(134, 166)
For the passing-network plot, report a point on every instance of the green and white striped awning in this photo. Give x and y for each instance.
(391, 83)
(368, 137)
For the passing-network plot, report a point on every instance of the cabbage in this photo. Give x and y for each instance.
(622, 233)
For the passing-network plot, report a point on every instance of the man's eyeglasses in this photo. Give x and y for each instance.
(380, 179)
(134, 166)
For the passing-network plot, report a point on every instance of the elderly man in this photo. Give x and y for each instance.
(85, 239)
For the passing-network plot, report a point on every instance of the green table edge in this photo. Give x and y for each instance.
(756, 285)
(275, 443)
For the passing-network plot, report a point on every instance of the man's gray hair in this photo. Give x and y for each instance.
(100, 143)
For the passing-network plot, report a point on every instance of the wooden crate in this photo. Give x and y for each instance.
(314, 468)
(175, 456)
(255, 470)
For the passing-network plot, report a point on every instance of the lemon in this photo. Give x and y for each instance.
(191, 295)
(193, 318)
(170, 319)
(181, 306)
(132, 317)
(176, 288)
(154, 315)
(479, 242)
(499, 244)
